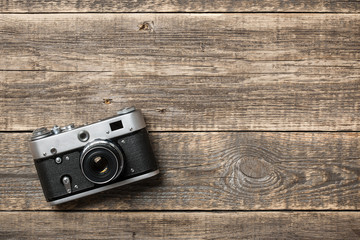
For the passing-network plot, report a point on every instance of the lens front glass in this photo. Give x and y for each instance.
(101, 162)
(99, 165)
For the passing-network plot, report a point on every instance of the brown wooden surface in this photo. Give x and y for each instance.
(180, 6)
(213, 171)
(198, 72)
(193, 225)
(246, 103)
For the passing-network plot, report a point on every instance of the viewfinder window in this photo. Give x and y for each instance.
(116, 125)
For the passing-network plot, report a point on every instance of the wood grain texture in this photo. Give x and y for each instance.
(188, 72)
(213, 171)
(247, 102)
(241, 70)
(181, 44)
(38, 6)
(158, 225)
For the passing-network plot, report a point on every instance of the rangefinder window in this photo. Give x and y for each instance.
(116, 125)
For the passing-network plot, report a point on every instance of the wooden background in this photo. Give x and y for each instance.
(253, 108)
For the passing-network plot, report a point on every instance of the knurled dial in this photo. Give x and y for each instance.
(126, 110)
(68, 127)
(40, 133)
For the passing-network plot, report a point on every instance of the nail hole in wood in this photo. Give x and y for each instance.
(107, 100)
(146, 26)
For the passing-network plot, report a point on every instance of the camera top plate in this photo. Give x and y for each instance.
(67, 140)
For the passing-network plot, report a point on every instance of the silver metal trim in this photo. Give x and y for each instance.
(69, 127)
(56, 129)
(126, 110)
(107, 187)
(40, 133)
(67, 184)
(66, 141)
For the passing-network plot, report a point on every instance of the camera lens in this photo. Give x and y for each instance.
(99, 164)
(101, 161)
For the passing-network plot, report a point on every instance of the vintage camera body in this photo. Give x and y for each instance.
(75, 162)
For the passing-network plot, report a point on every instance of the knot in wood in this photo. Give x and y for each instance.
(255, 167)
(146, 26)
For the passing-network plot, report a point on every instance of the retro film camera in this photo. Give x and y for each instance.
(75, 162)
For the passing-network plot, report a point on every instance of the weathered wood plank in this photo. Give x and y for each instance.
(30, 100)
(207, 171)
(171, 225)
(181, 44)
(192, 72)
(179, 6)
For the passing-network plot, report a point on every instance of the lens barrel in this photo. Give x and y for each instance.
(101, 161)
